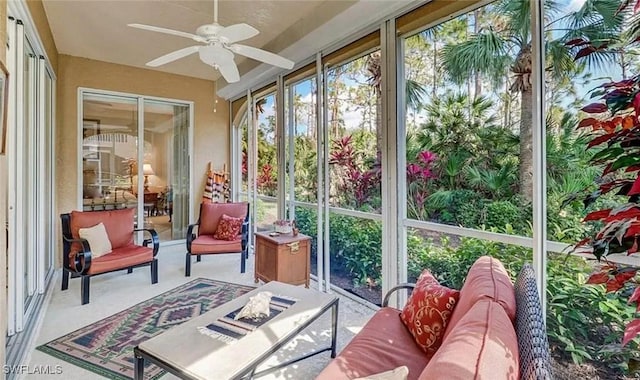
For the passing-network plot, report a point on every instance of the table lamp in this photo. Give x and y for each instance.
(147, 170)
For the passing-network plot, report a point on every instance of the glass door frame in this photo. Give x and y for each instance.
(140, 100)
(30, 215)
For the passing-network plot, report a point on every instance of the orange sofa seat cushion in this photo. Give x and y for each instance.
(384, 343)
(207, 244)
(482, 346)
(211, 213)
(122, 257)
(486, 279)
(118, 223)
(428, 310)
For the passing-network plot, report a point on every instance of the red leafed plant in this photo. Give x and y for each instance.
(353, 180)
(615, 131)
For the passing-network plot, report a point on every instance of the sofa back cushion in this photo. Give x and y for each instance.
(211, 213)
(117, 223)
(482, 345)
(487, 279)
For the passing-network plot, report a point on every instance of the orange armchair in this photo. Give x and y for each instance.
(204, 243)
(125, 254)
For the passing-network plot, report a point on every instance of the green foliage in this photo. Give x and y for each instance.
(502, 213)
(355, 244)
(458, 207)
(564, 222)
(585, 321)
(449, 261)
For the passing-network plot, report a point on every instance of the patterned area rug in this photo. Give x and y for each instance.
(106, 347)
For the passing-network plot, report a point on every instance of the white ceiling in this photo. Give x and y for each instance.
(295, 29)
(98, 29)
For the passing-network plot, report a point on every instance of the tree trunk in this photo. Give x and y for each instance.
(378, 125)
(477, 77)
(435, 66)
(526, 144)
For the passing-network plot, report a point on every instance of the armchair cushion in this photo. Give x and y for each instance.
(122, 257)
(117, 223)
(97, 238)
(204, 244)
(228, 228)
(211, 214)
(427, 312)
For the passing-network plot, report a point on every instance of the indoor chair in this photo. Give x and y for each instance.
(207, 242)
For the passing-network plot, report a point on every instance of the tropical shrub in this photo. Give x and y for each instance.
(355, 244)
(614, 124)
(450, 262)
(458, 207)
(355, 180)
(419, 175)
(501, 213)
(267, 181)
(573, 308)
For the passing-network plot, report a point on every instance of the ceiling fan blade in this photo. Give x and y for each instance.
(167, 31)
(173, 56)
(238, 32)
(229, 71)
(262, 56)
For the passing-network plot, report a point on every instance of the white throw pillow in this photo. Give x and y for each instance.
(399, 373)
(98, 240)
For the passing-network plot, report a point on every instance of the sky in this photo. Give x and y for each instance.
(353, 118)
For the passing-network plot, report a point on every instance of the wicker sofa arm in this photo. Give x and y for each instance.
(535, 361)
(406, 285)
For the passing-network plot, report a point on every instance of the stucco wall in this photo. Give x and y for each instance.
(210, 136)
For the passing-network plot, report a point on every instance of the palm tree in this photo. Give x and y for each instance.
(414, 91)
(506, 45)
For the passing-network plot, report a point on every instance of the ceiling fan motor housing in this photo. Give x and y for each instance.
(209, 31)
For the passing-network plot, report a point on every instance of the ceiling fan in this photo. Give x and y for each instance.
(219, 47)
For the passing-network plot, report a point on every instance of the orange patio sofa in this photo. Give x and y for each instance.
(496, 331)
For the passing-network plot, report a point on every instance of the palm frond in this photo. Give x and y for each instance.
(519, 15)
(481, 53)
(632, 33)
(440, 199)
(560, 59)
(414, 94)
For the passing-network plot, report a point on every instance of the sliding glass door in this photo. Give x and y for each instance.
(109, 152)
(166, 136)
(135, 154)
(29, 182)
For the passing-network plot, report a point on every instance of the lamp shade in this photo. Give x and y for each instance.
(147, 169)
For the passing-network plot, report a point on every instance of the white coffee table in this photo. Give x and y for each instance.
(189, 354)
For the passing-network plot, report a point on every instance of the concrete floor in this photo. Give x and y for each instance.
(114, 292)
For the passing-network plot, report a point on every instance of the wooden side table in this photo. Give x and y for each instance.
(283, 258)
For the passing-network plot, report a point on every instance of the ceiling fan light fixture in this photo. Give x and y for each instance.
(215, 54)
